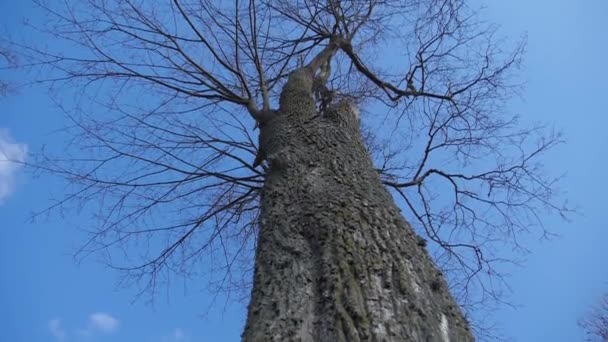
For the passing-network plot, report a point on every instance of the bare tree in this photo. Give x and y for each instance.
(354, 101)
(595, 322)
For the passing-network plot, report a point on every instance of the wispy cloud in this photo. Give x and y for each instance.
(178, 335)
(103, 322)
(98, 323)
(56, 329)
(11, 153)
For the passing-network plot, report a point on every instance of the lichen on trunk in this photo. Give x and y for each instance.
(335, 259)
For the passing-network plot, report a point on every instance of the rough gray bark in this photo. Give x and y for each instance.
(335, 259)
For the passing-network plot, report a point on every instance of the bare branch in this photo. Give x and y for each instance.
(164, 96)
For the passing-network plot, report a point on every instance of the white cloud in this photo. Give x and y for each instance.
(11, 154)
(103, 322)
(177, 335)
(98, 323)
(56, 329)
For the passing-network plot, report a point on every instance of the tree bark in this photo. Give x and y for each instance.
(335, 259)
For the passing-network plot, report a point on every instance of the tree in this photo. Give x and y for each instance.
(595, 322)
(171, 96)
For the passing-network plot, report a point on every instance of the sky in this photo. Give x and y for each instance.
(47, 296)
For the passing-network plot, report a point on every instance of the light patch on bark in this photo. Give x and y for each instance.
(415, 286)
(387, 314)
(358, 238)
(413, 278)
(376, 284)
(379, 307)
(314, 180)
(354, 109)
(444, 328)
(380, 330)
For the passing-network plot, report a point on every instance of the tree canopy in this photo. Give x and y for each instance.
(165, 97)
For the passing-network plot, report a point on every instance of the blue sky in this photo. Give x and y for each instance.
(46, 296)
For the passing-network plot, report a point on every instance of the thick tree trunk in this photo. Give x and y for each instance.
(335, 259)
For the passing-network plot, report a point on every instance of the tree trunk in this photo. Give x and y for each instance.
(335, 259)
